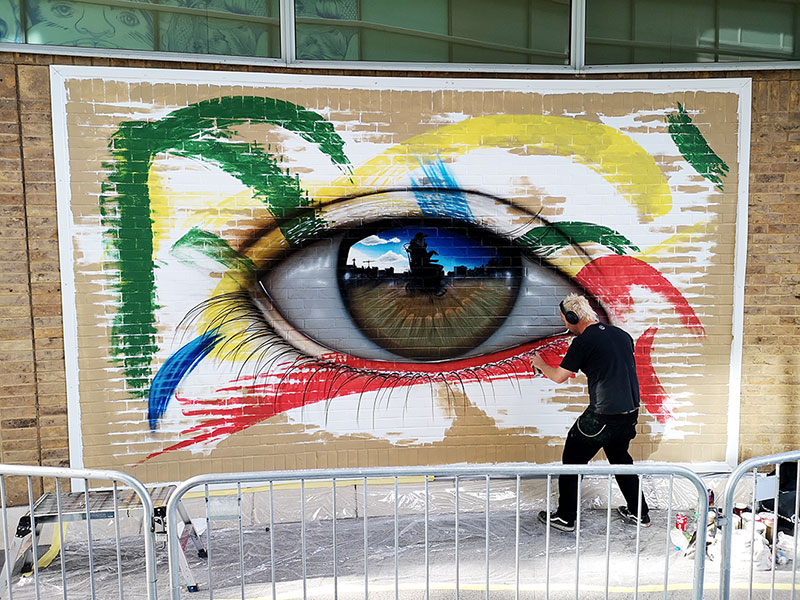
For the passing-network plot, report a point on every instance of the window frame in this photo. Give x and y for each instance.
(577, 51)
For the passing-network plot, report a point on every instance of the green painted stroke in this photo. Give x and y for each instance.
(547, 239)
(202, 131)
(213, 246)
(695, 149)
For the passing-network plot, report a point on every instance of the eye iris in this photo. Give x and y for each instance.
(429, 292)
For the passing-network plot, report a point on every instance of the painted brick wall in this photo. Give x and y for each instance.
(33, 420)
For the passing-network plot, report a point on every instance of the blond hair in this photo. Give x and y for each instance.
(580, 306)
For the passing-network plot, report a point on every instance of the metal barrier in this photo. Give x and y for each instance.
(349, 570)
(60, 508)
(729, 525)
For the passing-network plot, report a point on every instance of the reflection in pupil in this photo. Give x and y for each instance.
(425, 275)
(429, 292)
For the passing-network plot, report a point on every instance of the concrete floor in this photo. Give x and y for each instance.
(627, 576)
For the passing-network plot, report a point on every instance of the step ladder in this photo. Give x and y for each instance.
(101, 506)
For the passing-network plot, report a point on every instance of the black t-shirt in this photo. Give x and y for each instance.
(605, 354)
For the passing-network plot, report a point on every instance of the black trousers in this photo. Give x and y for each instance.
(590, 433)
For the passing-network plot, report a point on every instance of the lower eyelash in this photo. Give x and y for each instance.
(221, 418)
(271, 350)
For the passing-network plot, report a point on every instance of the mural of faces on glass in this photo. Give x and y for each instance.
(359, 265)
(236, 36)
(10, 30)
(326, 42)
(67, 23)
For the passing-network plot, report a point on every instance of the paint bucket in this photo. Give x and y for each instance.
(739, 509)
(751, 521)
(769, 525)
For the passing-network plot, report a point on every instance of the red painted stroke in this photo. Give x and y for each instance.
(250, 400)
(652, 392)
(610, 279)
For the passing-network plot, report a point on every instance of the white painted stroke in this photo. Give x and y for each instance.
(404, 415)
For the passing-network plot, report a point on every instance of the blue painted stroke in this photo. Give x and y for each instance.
(448, 202)
(170, 375)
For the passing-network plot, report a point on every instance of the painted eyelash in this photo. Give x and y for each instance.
(236, 307)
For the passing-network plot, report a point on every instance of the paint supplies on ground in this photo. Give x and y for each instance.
(750, 521)
(769, 526)
(712, 542)
(786, 544)
(678, 539)
(745, 545)
(786, 492)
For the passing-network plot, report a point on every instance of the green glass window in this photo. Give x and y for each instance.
(463, 31)
(231, 27)
(691, 31)
(10, 29)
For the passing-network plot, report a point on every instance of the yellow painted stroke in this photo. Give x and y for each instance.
(217, 316)
(667, 247)
(613, 155)
(200, 207)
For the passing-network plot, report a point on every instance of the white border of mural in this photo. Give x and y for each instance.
(61, 74)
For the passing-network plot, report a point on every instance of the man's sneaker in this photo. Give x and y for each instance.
(557, 522)
(632, 518)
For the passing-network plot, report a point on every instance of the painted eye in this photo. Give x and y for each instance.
(417, 290)
(63, 10)
(129, 19)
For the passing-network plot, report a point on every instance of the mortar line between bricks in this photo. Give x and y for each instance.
(30, 278)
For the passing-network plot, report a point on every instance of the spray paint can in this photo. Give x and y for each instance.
(680, 522)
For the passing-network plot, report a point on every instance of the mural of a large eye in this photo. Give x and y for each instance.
(417, 290)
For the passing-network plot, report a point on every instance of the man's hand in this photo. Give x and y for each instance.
(537, 362)
(557, 374)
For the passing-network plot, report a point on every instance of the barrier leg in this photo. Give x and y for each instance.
(19, 546)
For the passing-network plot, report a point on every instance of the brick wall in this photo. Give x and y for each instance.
(771, 361)
(33, 415)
